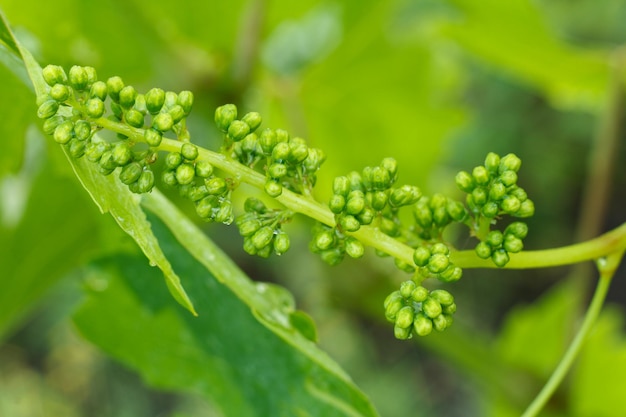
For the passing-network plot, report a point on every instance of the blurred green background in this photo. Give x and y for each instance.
(435, 84)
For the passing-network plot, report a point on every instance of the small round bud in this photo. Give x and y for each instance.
(189, 151)
(225, 215)
(517, 229)
(94, 108)
(95, 150)
(450, 274)
(117, 111)
(254, 205)
(106, 162)
(337, 203)
(185, 100)
(391, 301)
(262, 237)
(253, 120)
(423, 216)
(173, 160)
(205, 206)
(204, 169)
(490, 209)
(440, 323)
(354, 248)
(60, 92)
(145, 183)
(494, 238)
(527, 209)
(64, 132)
(153, 137)
(277, 170)
(443, 296)
(154, 98)
(298, 152)
(379, 200)
(404, 318)
(404, 196)
(177, 113)
(419, 294)
(349, 223)
(456, 210)
(82, 130)
(249, 227)
(355, 202)
(134, 118)
(440, 216)
(366, 216)
(162, 122)
(479, 196)
(481, 175)
(422, 325)
(122, 154)
(512, 244)
(76, 148)
(518, 192)
(98, 90)
(273, 189)
(324, 240)
(421, 256)
(267, 140)
(510, 162)
(54, 74)
(130, 173)
(449, 309)
(500, 257)
(281, 151)
(238, 130)
(483, 250)
(464, 181)
(341, 186)
(197, 193)
(508, 178)
(127, 96)
(391, 165)
(401, 333)
(224, 116)
(497, 191)
(92, 76)
(431, 307)
(114, 86)
(249, 143)
(169, 178)
(281, 243)
(47, 109)
(216, 185)
(407, 288)
(49, 125)
(492, 162)
(438, 263)
(185, 173)
(510, 204)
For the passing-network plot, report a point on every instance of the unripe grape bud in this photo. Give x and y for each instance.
(114, 86)
(49, 125)
(422, 325)
(349, 223)
(494, 238)
(281, 243)
(500, 257)
(510, 204)
(162, 122)
(324, 240)
(64, 132)
(450, 274)
(248, 144)
(185, 100)
(298, 152)
(366, 216)
(441, 248)
(355, 202)
(216, 186)
(47, 109)
(189, 151)
(497, 191)
(249, 227)
(404, 318)
(490, 209)
(423, 215)
(443, 296)
(508, 178)
(282, 135)
(281, 151)
(481, 175)
(60, 92)
(380, 178)
(95, 150)
(273, 189)
(130, 173)
(404, 196)
(492, 162)
(337, 203)
(527, 209)
(98, 90)
(510, 162)
(483, 250)
(267, 140)
(517, 229)
(204, 207)
(127, 96)
(94, 108)
(419, 294)
(92, 76)
(145, 183)
(277, 170)
(262, 237)
(153, 137)
(401, 333)
(389, 227)
(440, 216)
(391, 165)
(177, 113)
(341, 185)
(431, 307)
(379, 200)
(197, 193)
(134, 118)
(185, 174)
(437, 263)
(440, 323)
(204, 169)
(456, 210)
(464, 181)
(238, 130)
(225, 215)
(76, 148)
(82, 130)
(254, 205)
(421, 256)
(173, 160)
(54, 74)
(169, 178)
(393, 299)
(78, 78)
(253, 120)
(224, 116)
(448, 309)
(407, 288)
(512, 244)
(518, 192)
(122, 154)
(354, 248)
(479, 196)
(107, 163)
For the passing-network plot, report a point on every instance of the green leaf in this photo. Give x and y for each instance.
(514, 36)
(241, 352)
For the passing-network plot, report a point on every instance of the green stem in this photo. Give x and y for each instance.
(607, 267)
(610, 242)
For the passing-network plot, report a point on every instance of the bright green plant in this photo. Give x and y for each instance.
(149, 146)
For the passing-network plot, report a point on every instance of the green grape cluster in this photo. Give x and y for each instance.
(434, 261)
(262, 229)
(415, 309)
(492, 192)
(288, 162)
(77, 100)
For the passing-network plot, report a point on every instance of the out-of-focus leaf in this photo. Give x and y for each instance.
(514, 37)
(231, 353)
(598, 385)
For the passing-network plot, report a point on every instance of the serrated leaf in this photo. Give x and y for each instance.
(231, 354)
